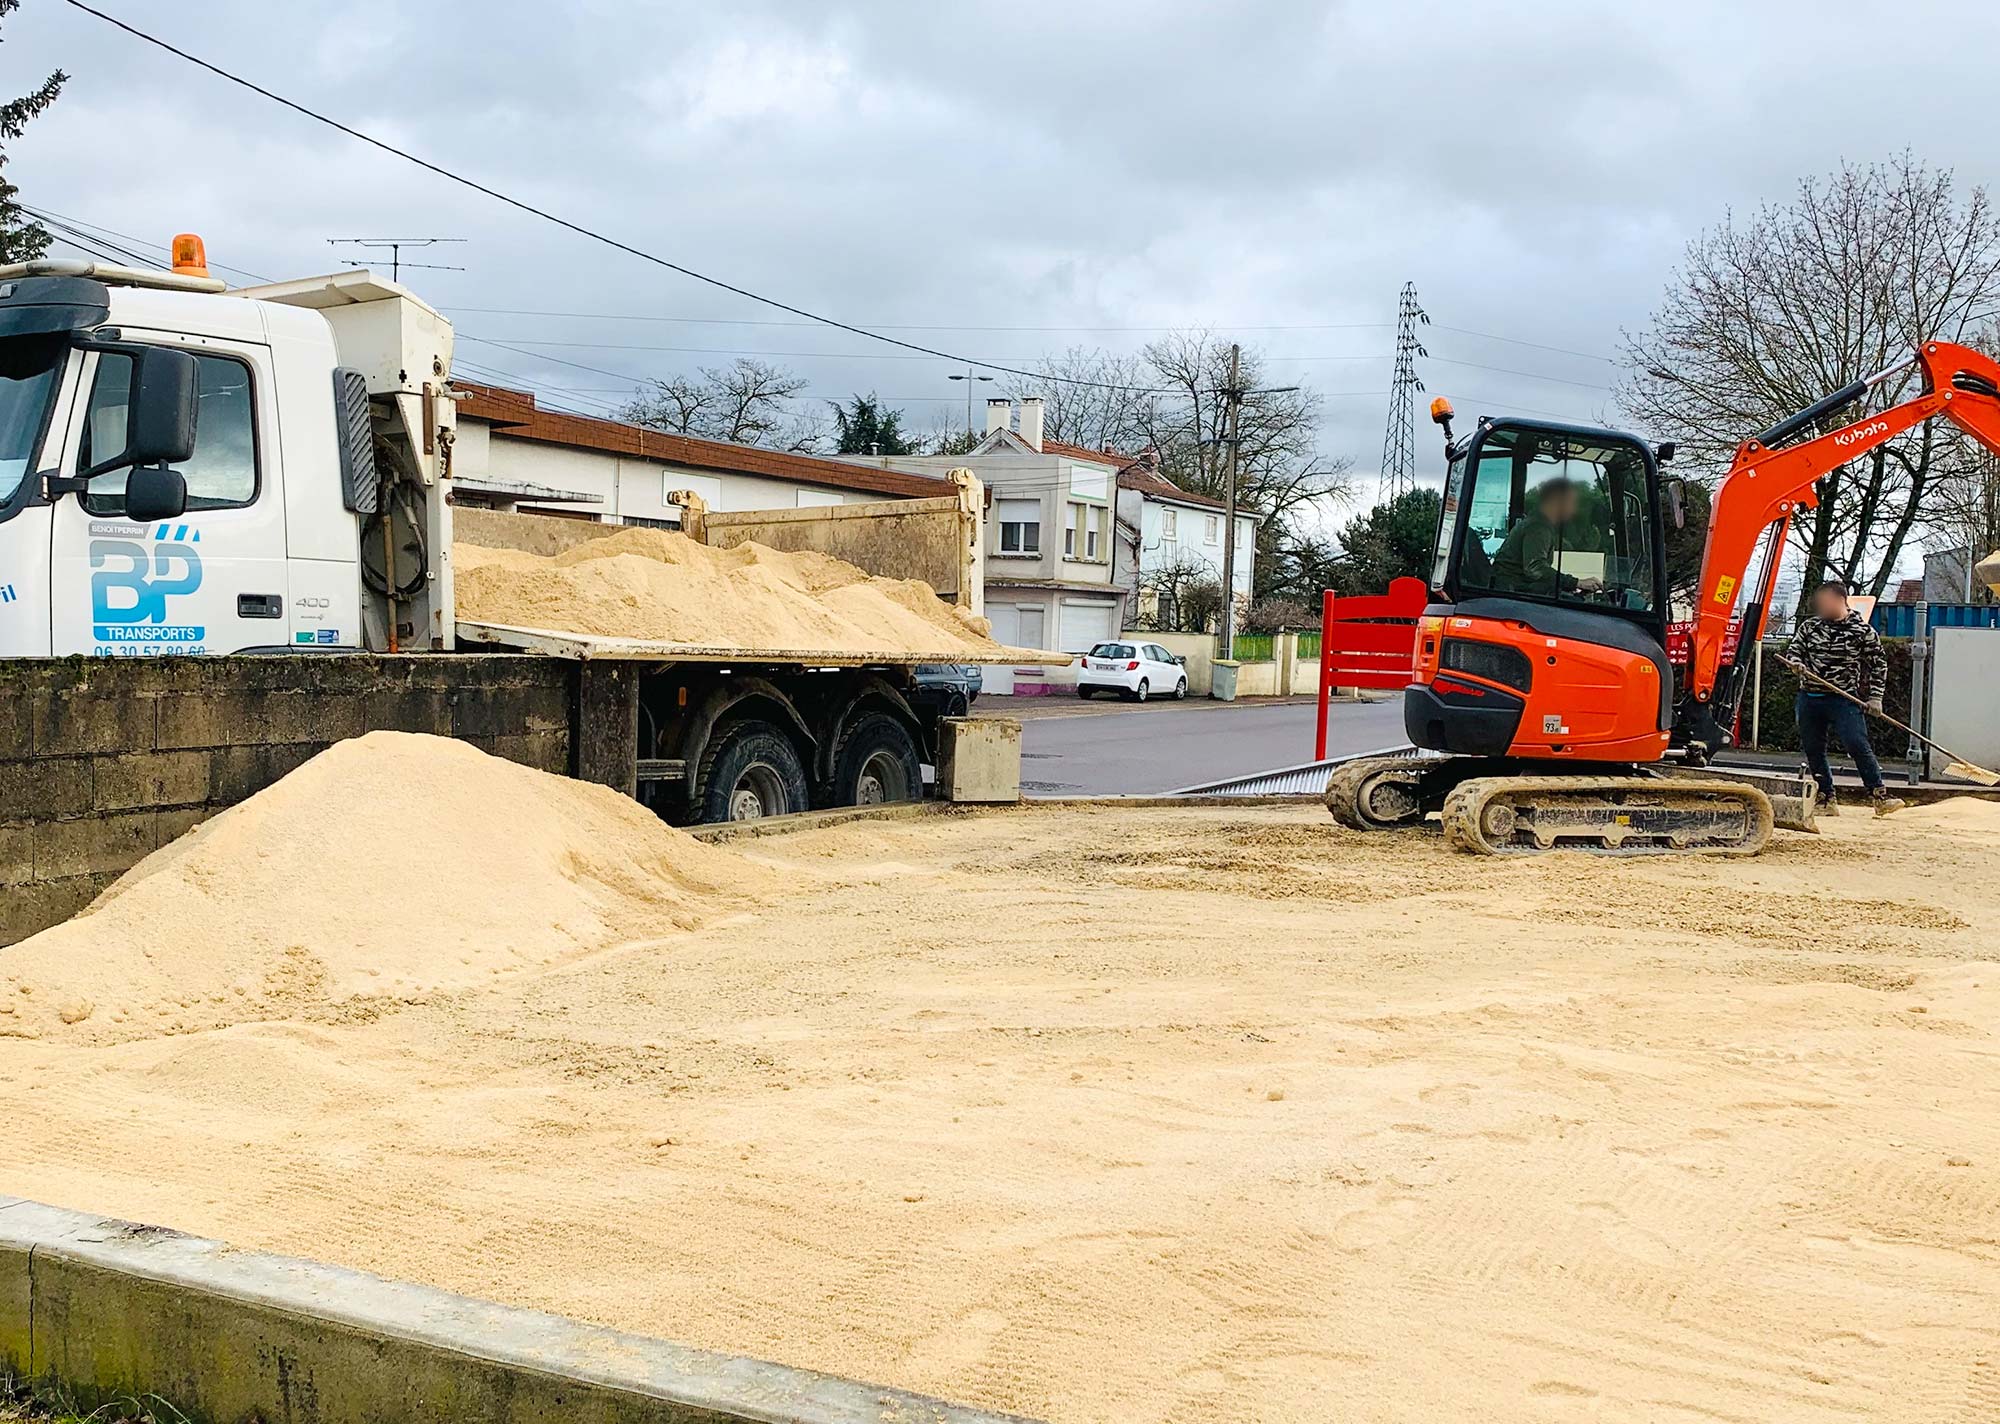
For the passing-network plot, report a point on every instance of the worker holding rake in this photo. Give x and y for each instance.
(1843, 655)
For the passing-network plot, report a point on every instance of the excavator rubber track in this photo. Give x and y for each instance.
(1377, 793)
(1679, 815)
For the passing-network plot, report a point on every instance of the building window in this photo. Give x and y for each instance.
(1072, 522)
(1212, 530)
(1020, 526)
(1170, 524)
(1093, 538)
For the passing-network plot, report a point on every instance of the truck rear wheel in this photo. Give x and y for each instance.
(877, 764)
(752, 771)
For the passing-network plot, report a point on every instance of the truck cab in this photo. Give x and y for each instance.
(117, 385)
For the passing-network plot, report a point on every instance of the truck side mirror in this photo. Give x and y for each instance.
(153, 493)
(160, 418)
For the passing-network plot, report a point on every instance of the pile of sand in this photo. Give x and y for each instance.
(659, 585)
(392, 865)
(1134, 1114)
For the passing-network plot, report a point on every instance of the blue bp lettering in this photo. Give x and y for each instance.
(130, 584)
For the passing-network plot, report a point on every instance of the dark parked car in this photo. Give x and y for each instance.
(952, 688)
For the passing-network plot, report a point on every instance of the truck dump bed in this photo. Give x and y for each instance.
(930, 541)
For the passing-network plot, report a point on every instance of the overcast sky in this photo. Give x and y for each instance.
(1084, 170)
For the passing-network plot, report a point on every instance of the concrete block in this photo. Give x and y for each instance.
(133, 779)
(44, 788)
(17, 719)
(30, 909)
(17, 855)
(230, 718)
(92, 717)
(605, 728)
(407, 709)
(544, 751)
(235, 773)
(507, 711)
(169, 826)
(93, 845)
(979, 759)
(117, 1311)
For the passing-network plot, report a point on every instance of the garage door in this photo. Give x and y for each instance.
(1085, 624)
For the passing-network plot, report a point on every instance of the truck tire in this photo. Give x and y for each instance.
(752, 771)
(877, 764)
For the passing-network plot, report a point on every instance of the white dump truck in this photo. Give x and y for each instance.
(189, 469)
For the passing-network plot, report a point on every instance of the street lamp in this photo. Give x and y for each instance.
(968, 378)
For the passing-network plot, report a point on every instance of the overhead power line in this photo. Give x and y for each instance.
(578, 228)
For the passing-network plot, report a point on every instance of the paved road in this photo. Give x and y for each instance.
(1109, 749)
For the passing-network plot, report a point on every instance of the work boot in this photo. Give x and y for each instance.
(1885, 803)
(1825, 805)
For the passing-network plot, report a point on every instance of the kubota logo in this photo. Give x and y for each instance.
(1849, 437)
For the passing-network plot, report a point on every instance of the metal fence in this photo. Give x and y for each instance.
(1254, 647)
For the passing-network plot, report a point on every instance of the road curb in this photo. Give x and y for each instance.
(100, 1310)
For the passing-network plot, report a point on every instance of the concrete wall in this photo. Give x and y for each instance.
(100, 1313)
(104, 760)
(1197, 648)
(1257, 680)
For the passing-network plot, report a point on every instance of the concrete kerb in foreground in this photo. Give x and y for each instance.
(105, 1310)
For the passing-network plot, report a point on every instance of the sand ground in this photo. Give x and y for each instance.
(1171, 1114)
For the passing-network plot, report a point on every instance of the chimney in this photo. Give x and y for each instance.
(1031, 422)
(999, 413)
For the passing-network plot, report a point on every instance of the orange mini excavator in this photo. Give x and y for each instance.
(1541, 660)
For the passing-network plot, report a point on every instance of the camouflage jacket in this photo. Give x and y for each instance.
(1847, 653)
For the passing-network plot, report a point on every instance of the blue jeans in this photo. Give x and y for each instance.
(1820, 713)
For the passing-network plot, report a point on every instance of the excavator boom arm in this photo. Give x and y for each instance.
(1766, 486)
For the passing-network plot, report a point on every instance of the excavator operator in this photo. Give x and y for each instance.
(1525, 562)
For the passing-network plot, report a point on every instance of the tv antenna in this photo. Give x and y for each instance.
(395, 245)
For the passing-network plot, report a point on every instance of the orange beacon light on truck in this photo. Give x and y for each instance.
(190, 258)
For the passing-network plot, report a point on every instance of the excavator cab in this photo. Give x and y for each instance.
(1546, 633)
(1561, 514)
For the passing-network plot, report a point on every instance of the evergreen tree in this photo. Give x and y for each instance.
(868, 429)
(22, 239)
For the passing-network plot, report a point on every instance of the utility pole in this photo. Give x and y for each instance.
(1399, 441)
(1232, 395)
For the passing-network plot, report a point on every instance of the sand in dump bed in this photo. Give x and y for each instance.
(389, 866)
(1169, 1114)
(659, 585)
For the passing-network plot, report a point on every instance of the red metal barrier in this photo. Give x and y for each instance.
(1367, 642)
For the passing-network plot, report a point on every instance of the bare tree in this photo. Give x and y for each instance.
(1094, 400)
(1168, 399)
(744, 403)
(1769, 314)
(1183, 595)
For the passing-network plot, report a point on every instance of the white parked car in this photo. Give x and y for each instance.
(1138, 670)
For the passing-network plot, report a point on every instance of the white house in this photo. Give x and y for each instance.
(1164, 527)
(512, 454)
(1050, 538)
